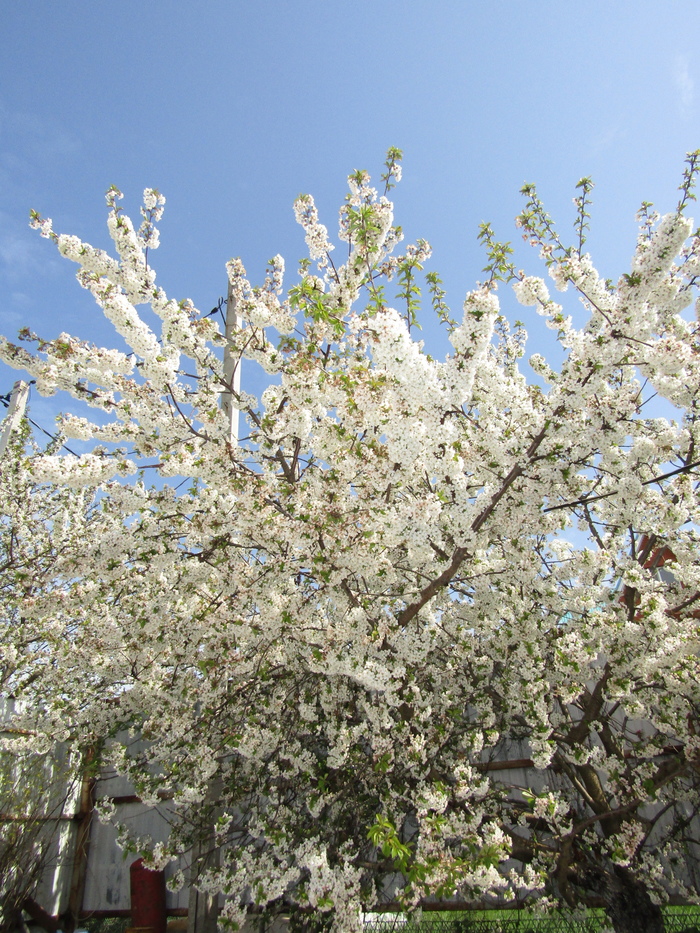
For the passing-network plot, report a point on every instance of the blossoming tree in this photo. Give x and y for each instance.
(403, 570)
(38, 780)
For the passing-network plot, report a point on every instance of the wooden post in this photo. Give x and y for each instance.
(232, 368)
(203, 908)
(83, 819)
(18, 402)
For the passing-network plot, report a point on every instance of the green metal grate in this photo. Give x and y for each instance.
(496, 924)
(685, 920)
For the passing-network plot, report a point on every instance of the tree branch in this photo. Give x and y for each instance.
(586, 499)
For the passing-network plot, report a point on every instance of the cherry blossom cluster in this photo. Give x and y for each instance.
(431, 629)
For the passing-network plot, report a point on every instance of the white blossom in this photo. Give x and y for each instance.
(419, 614)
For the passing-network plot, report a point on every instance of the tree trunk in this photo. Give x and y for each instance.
(628, 905)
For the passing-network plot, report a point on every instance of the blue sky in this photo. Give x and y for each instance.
(233, 108)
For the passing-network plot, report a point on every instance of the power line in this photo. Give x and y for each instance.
(7, 402)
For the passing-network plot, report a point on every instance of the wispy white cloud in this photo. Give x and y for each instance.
(28, 145)
(17, 253)
(20, 255)
(11, 321)
(27, 134)
(685, 86)
(605, 138)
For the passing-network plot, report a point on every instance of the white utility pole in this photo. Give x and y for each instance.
(203, 908)
(232, 367)
(15, 411)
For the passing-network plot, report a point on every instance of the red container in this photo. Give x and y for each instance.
(147, 897)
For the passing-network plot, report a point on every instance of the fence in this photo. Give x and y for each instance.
(676, 920)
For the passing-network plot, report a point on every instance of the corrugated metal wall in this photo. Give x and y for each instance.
(86, 872)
